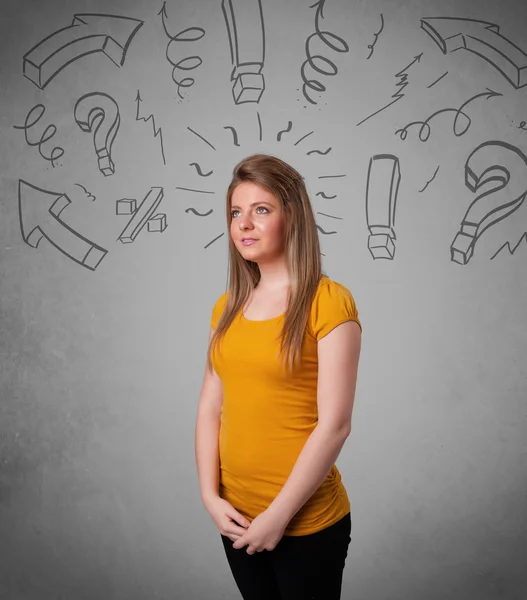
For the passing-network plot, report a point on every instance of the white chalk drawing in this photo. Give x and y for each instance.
(481, 38)
(382, 186)
(246, 31)
(40, 217)
(88, 33)
(492, 161)
(98, 113)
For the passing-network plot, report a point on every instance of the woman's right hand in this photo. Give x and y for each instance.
(228, 520)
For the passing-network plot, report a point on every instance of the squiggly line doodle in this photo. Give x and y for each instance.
(425, 130)
(375, 35)
(189, 63)
(47, 134)
(316, 61)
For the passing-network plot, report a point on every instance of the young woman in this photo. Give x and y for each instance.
(277, 396)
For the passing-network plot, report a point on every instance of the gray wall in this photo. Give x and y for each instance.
(110, 268)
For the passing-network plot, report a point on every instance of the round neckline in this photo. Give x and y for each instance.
(260, 320)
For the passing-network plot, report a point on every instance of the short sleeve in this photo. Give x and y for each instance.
(217, 310)
(333, 304)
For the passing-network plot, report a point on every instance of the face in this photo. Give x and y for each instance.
(256, 213)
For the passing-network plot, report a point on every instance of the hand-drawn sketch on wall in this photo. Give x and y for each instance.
(429, 181)
(437, 80)
(425, 129)
(313, 152)
(246, 32)
(40, 216)
(403, 76)
(199, 171)
(492, 161)
(523, 238)
(98, 113)
(128, 206)
(382, 185)
(375, 38)
(339, 45)
(46, 135)
(142, 215)
(191, 34)
(481, 38)
(89, 194)
(157, 131)
(88, 33)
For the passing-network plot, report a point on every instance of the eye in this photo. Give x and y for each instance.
(257, 208)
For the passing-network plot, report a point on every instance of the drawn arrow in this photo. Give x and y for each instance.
(40, 216)
(87, 34)
(481, 38)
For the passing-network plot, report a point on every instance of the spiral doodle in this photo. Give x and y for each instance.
(45, 137)
(339, 45)
(189, 63)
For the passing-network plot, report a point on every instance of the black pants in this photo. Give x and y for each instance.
(305, 567)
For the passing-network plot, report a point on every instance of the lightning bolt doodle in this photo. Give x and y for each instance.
(156, 131)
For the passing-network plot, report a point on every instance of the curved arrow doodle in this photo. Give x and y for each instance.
(481, 38)
(490, 162)
(98, 113)
(40, 216)
(87, 34)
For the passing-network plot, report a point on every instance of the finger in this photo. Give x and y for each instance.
(242, 520)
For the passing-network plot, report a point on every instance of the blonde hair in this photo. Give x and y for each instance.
(302, 252)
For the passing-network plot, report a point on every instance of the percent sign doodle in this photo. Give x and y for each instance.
(382, 185)
(245, 26)
(487, 164)
(98, 113)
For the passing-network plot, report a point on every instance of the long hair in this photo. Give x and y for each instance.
(302, 252)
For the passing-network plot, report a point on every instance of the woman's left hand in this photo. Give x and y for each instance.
(264, 533)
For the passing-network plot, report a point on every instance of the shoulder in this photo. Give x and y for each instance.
(217, 309)
(332, 305)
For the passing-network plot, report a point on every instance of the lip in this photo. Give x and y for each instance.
(248, 241)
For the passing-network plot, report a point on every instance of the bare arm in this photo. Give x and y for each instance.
(338, 356)
(206, 434)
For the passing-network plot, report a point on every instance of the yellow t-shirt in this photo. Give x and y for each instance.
(268, 414)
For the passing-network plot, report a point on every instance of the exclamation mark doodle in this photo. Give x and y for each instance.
(382, 186)
(245, 26)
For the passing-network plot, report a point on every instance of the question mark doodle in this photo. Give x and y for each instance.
(98, 113)
(382, 186)
(490, 162)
